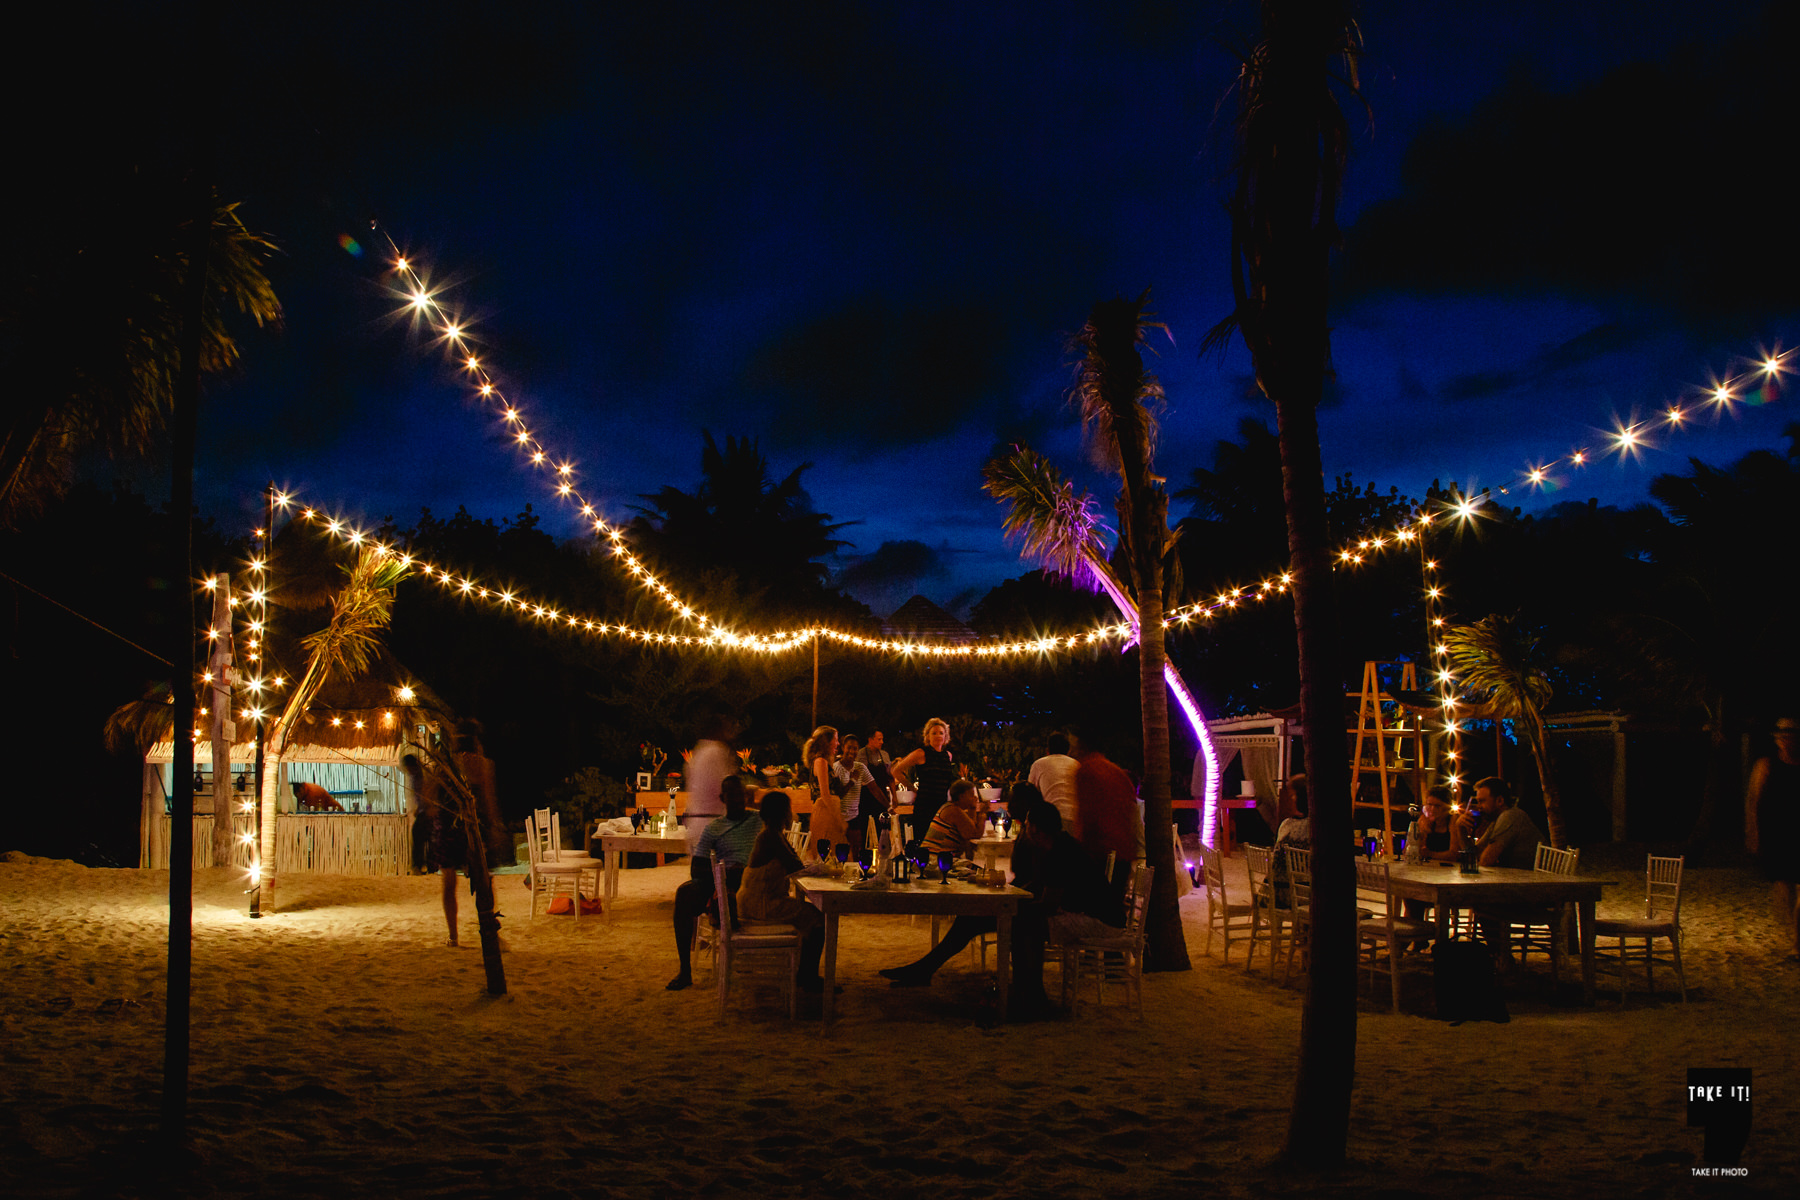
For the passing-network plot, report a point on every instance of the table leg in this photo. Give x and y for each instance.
(1586, 910)
(829, 1008)
(1442, 912)
(1003, 958)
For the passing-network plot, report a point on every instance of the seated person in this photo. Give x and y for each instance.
(1439, 834)
(1439, 838)
(957, 824)
(1510, 840)
(764, 894)
(1070, 899)
(1021, 802)
(1296, 824)
(732, 835)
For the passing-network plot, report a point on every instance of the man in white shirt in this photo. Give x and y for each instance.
(1054, 775)
(707, 767)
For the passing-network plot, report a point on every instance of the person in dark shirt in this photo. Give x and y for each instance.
(1070, 895)
(732, 836)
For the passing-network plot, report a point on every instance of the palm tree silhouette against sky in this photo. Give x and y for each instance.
(96, 317)
(1497, 658)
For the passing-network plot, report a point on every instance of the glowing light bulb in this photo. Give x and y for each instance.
(487, 389)
(471, 362)
(1770, 366)
(1578, 458)
(399, 264)
(1537, 475)
(1675, 415)
(1722, 394)
(420, 299)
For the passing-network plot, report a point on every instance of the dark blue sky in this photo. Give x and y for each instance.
(861, 234)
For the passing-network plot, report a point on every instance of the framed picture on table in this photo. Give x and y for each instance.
(643, 781)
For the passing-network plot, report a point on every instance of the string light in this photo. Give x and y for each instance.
(566, 486)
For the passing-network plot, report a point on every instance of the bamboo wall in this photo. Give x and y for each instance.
(305, 843)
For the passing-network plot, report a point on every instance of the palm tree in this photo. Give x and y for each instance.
(1497, 659)
(99, 317)
(1116, 399)
(1291, 144)
(360, 609)
(1060, 529)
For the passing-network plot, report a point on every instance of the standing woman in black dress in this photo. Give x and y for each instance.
(929, 771)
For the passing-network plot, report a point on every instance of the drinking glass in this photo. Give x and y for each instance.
(944, 859)
(843, 853)
(824, 849)
(865, 859)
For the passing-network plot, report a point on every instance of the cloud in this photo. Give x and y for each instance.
(1603, 339)
(894, 564)
(1642, 185)
(873, 369)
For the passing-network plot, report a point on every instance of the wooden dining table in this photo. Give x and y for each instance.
(835, 897)
(613, 847)
(1444, 886)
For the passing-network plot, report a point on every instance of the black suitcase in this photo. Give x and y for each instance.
(1463, 975)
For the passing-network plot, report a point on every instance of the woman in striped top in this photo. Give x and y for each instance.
(957, 823)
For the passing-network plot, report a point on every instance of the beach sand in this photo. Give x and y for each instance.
(340, 1048)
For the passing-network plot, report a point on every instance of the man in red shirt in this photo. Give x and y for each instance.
(1106, 809)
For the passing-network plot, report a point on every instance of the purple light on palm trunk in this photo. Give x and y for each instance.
(1209, 807)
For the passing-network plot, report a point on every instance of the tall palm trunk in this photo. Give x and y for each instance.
(1111, 391)
(1291, 143)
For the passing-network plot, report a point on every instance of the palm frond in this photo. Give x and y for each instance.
(1117, 400)
(137, 725)
(359, 611)
(1497, 658)
(1056, 525)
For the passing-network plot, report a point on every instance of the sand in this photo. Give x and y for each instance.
(341, 1048)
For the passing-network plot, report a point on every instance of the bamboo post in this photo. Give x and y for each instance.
(815, 700)
(222, 731)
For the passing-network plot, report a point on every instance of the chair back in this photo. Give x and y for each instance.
(1137, 903)
(1261, 863)
(1373, 877)
(1299, 873)
(728, 919)
(539, 829)
(1552, 861)
(533, 845)
(1662, 888)
(1212, 873)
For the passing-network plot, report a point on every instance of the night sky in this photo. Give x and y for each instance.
(862, 233)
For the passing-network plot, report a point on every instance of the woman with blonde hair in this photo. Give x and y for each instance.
(929, 771)
(828, 823)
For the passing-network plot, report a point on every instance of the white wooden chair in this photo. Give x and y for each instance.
(1222, 915)
(1298, 862)
(1385, 930)
(1266, 907)
(552, 879)
(753, 951)
(1113, 957)
(1547, 932)
(1661, 919)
